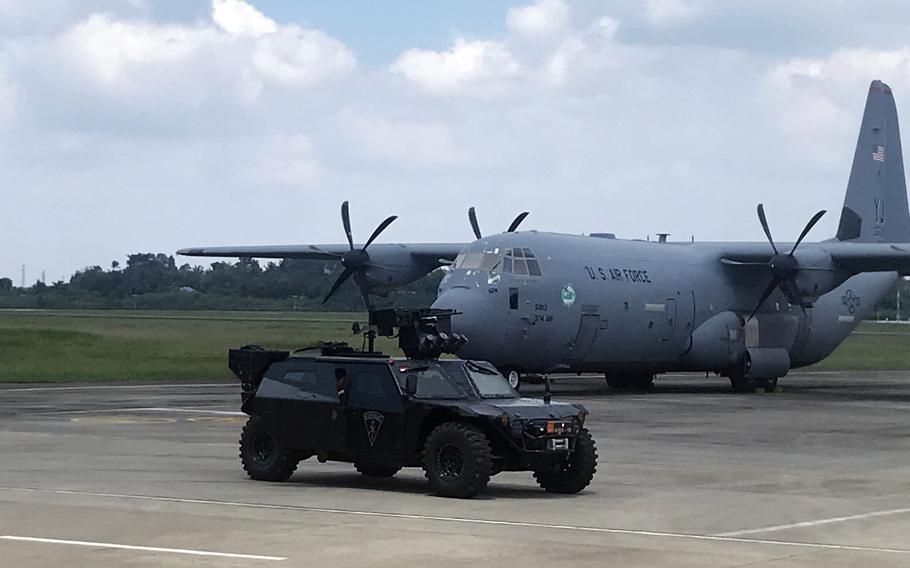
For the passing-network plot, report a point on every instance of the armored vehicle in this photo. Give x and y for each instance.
(459, 420)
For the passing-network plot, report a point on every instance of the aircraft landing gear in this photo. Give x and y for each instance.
(514, 378)
(640, 382)
(743, 383)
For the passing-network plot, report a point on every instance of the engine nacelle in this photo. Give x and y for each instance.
(818, 277)
(766, 362)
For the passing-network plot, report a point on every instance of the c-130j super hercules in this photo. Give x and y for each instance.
(535, 302)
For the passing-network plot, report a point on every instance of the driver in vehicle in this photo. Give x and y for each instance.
(341, 381)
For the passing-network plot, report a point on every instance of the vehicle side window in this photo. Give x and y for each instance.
(374, 388)
(304, 377)
(434, 384)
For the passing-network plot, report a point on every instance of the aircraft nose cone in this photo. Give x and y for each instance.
(468, 320)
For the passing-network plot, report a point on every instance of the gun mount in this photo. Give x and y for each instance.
(424, 333)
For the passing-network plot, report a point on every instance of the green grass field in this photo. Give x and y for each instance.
(118, 345)
(115, 345)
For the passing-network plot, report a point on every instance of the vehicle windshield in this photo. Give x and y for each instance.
(434, 382)
(488, 381)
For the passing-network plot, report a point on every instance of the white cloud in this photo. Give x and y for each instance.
(541, 18)
(847, 66)
(476, 65)
(239, 18)
(230, 57)
(7, 96)
(578, 53)
(296, 55)
(666, 13)
(191, 108)
(405, 142)
(108, 49)
(285, 159)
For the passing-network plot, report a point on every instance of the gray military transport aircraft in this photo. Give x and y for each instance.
(536, 302)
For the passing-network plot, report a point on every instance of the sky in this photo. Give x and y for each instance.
(147, 126)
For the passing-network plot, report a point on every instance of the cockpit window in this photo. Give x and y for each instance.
(521, 261)
(477, 260)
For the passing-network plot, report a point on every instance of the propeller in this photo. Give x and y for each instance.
(472, 217)
(784, 267)
(357, 260)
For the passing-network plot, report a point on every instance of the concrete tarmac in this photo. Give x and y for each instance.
(689, 475)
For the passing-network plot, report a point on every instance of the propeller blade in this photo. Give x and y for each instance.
(732, 262)
(768, 291)
(378, 266)
(472, 217)
(344, 276)
(517, 221)
(366, 300)
(379, 229)
(764, 225)
(791, 290)
(346, 220)
(808, 228)
(325, 252)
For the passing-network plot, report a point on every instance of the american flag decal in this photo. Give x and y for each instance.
(879, 154)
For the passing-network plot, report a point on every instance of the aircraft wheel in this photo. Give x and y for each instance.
(742, 383)
(514, 378)
(265, 457)
(630, 382)
(770, 385)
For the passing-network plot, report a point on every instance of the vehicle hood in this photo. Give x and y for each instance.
(526, 408)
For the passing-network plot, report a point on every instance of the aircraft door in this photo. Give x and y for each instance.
(373, 411)
(588, 325)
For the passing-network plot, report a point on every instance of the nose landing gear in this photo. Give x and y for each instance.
(514, 378)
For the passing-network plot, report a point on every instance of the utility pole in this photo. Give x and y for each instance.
(22, 280)
(43, 277)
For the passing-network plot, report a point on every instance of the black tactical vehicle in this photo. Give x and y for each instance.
(459, 420)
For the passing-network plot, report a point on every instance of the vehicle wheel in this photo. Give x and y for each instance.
(371, 470)
(575, 473)
(770, 385)
(630, 382)
(457, 460)
(264, 457)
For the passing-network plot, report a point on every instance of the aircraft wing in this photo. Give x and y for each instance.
(424, 252)
(848, 256)
(871, 257)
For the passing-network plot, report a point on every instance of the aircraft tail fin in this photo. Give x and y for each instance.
(875, 208)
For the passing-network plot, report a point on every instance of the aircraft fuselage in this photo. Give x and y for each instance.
(610, 305)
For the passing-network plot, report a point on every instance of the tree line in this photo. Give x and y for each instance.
(155, 281)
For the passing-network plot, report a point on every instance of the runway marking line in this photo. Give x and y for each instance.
(99, 387)
(467, 520)
(140, 548)
(815, 523)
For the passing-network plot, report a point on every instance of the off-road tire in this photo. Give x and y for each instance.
(457, 460)
(743, 384)
(574, 474)
(630, 382)
(371, 470)
(264, 457)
